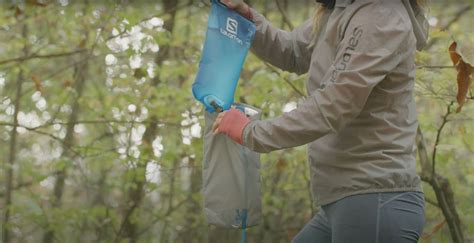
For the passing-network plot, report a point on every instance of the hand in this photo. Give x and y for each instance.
(240, 6)
(233, 4)
(231, 123)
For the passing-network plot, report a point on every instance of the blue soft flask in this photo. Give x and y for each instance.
(228, 39)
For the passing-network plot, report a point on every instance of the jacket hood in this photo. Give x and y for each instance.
(419, 22)
(417, 18)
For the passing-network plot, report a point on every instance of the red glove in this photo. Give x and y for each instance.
(232, 124)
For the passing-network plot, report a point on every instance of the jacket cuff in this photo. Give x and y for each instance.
(246, 133)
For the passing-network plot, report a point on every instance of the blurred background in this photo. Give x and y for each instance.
(101, 138)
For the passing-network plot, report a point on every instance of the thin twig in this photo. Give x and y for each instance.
(284, 14)
(432, 202)
(442, 189)
(456, 18)
(286, 80)
(7, 124)
(438, 138)
(434, 67)
(42, 56)
(121, 33)
(161, 217)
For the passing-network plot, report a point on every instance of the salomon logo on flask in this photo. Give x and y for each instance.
(232, 25)
(231, 30)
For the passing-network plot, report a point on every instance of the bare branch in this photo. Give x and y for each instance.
(286, 18)
(286, 80)
(456, 18)
(42, 56)
(432, 202)
(438, 138)
(93, 122)
(442, 188)
(161, 217)
(434, 67)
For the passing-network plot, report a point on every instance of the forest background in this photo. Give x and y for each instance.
(101, 138)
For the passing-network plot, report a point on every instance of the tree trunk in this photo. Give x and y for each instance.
(170, 7)
(442, 189)
(129, 228)
(192, 233)
(13, 147)
(80, 73)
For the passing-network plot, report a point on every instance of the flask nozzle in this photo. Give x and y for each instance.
(216, 106)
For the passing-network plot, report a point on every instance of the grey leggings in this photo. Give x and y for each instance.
(368, 218)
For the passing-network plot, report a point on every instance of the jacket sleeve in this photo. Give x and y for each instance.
(289, 51)
(370, 49)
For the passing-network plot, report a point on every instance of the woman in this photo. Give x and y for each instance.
(359, 120)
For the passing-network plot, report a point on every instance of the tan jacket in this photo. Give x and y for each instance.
(360, 118)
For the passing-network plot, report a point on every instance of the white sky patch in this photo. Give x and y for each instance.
(64, 3)
(6, 101)
(48, 182)
(110, 59)
(132, 108)
(45, 115)
(110, 72)
(136, 36)
(44, 153)
(158, 146)
(115, 31)
(433, 21)
(134, 152)
(10, 110)
(126, 37)
(186, 140)
(137, 134)
(2, 79)
(144, 113)
(121, 150)
(36, 96)
(153, 47)
(153, 172)
(62, 133)
(116, 113)
(191, 127)
(151, 70)
(96, 13)
(156, 22)
(41, 104)
(66, 109)
(196, 130)
(33, 39)
(135, 61)
(21, 130)
(79, 128)
(30, 119)
(289, 106)
(186, 174)
(186, 122)
(119, 44)
(186, 133)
